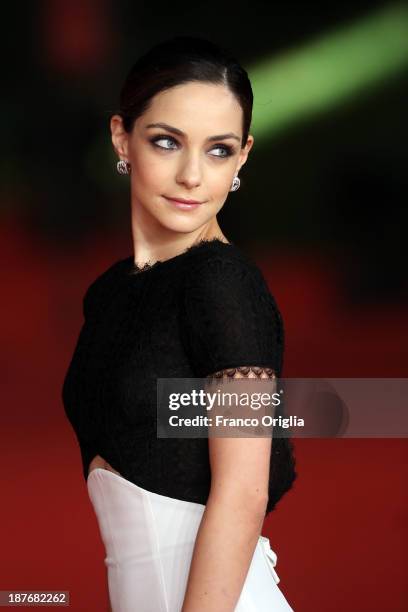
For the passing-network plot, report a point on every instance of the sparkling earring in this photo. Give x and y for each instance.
(235, 184)
(123, 167)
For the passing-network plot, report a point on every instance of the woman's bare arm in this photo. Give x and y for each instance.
(231, 523)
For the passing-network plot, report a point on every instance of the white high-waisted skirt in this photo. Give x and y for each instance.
(149, 541)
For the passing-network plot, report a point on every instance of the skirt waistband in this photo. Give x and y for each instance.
(172, 504)
(132, 485)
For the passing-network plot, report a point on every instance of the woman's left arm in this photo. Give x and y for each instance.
(233, 328)
(231, 524)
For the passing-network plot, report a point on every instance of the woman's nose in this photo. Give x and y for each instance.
(190, 172)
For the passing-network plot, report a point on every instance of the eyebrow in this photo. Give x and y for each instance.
(174, 130)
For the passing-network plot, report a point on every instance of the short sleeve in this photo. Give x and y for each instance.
(230, 318)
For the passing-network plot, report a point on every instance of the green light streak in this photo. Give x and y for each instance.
(320, 75)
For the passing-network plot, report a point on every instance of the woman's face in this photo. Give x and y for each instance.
(194, 154)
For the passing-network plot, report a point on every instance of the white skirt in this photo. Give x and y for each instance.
(149, 541)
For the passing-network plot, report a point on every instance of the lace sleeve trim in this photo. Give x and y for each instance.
(244, 372)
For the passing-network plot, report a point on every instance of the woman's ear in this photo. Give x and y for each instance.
(119, 137)
(243, 156)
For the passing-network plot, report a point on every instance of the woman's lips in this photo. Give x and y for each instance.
(185, 205)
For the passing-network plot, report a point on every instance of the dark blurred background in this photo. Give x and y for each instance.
(322, 209)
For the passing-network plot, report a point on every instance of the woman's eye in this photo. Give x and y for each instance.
(156, 141)
(225, 151)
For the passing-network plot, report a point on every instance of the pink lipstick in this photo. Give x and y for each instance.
(183, 203)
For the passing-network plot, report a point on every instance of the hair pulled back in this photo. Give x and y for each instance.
(180, 60)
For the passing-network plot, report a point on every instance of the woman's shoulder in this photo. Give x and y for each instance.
(224, 274)
(229, 316)
(217, 261)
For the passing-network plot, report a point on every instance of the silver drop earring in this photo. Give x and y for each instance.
(235, 183)
(123, 167)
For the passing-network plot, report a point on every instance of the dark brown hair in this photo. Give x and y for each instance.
(180, 60)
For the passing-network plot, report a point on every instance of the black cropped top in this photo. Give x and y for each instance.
(204, 312)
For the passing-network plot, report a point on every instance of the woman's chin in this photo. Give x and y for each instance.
(180, 223)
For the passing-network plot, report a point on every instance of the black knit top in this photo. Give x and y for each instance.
(203, 311)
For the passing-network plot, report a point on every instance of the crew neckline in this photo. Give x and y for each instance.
(134, 271)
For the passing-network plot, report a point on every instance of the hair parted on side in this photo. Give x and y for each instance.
(180, 60)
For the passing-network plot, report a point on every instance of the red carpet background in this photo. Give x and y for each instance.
(340, 534)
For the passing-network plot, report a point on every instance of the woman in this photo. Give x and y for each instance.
(180, 518)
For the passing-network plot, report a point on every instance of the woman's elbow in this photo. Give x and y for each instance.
(259, 505)
(242, 499)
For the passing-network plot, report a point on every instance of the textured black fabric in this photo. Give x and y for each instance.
(205, 310)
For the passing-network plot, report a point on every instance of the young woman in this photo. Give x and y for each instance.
(180, 518)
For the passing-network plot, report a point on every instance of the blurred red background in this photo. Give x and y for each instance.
(321, 210)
